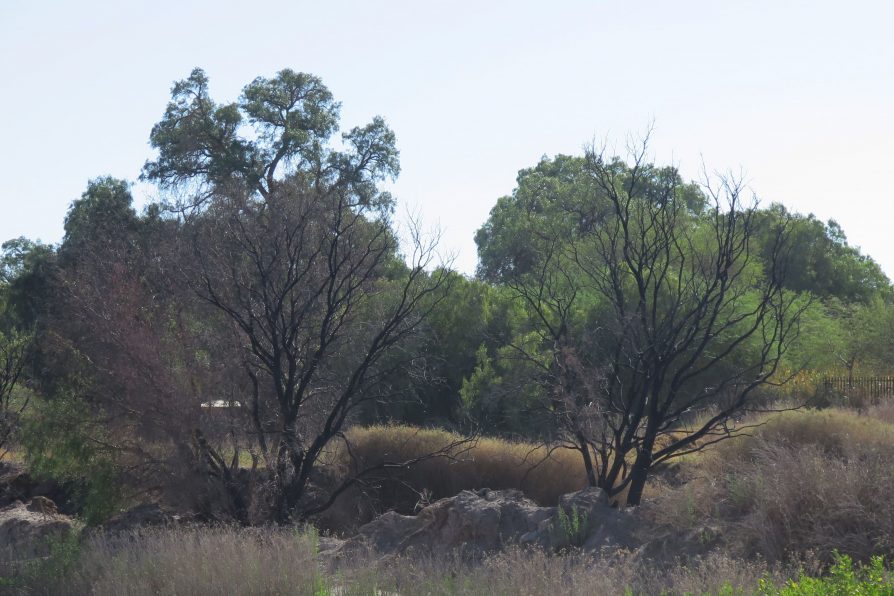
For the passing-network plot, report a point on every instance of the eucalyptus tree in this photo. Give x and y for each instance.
(291, 241)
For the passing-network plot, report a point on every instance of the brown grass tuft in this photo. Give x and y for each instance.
(804, 482)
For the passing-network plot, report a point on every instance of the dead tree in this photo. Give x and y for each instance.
(317, 297)
(685, 321)
(293, 246)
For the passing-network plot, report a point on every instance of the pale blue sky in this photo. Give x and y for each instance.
(797, 94)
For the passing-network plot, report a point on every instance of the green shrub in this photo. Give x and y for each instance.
(843, 579)
(43, 574)
(61, 441)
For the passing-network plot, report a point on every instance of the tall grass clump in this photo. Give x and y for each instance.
(541, 473)
(804, 482)
(188, 561)
(882, 411)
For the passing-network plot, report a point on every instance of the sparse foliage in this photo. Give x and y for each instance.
(293, 247)
(653, 309)
(14, 349)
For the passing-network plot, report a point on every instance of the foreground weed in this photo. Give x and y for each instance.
(574, 527)
(844, 579)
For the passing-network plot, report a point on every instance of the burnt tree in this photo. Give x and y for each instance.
(291, 241)
(660, 317)
(317, 299)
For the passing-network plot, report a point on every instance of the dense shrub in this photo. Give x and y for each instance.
(60, 440)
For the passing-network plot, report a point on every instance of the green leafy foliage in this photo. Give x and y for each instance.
(557, 198)
(63, 441)
(279, 127)
(822, 262)
(15, 349)
(104, 211)
(573, 527)
(843, 579)
(26, 282)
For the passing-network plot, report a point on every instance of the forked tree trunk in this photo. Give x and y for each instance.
(588, 460)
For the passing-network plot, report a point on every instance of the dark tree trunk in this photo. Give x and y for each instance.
(588, 460)
(638, 476)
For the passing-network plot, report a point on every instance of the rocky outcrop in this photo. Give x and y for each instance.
(16, 484)
(487, 520)
(482, 520)
(28, 530)
(599, 525)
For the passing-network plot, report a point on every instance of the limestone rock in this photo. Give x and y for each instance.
(42, 505)
(29, 530)
(475, 522)
(16, 484)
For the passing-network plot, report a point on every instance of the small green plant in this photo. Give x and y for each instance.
(310, 534)
(573, 527)
(321, 588)
(843, 579)
(727, 589)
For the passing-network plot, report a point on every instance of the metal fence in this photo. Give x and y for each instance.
(867, 386)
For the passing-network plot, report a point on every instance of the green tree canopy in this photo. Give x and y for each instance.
(822, 262)
(558, 199)
(279, 127)
(104, 210)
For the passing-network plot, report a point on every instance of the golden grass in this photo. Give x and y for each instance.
(12, 455)
(543, 474)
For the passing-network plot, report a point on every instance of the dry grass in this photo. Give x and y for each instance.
(804, 482)
(12, 455)
(482, 463)
(238, 561)
(543, 475)
(186, 561)
(882, 411)
(533, 573)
